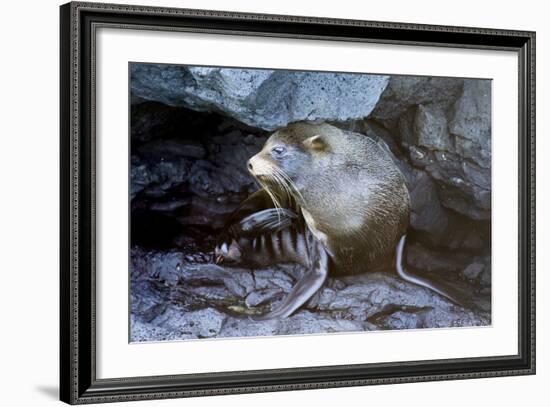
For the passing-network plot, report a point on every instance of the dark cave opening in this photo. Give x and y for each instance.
(187, 175)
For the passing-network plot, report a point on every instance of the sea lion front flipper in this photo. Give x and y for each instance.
(254, 216)
(258, 201)
(268, 220)
(304, 289)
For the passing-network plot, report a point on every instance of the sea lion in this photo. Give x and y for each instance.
(331, 200)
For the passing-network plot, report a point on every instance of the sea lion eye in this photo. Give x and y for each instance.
(278, 151)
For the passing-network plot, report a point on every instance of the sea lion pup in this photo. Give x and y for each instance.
(330, 200)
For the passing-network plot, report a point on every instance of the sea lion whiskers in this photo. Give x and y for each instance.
(276, 203)
(281, 184)
(291, 186)
(266, 171)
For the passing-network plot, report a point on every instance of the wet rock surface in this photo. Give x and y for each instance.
(188, 173)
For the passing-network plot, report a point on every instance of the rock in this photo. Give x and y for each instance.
(172, 148)
(424, 318)
(207, 300)
(261, 98)
(430, 127)
(194, 184)
(404, 92)
(169, 205)
(485, 278)
(204, 323)
(212, 172)
(273, 278)
(262, 296)
(150, 120)
(473, 271)
(420, 257)
(239, 327)
(143, 332)
(224, 171)
(303, 322)
(373, 295)
(403, 320)
(147, 298)
(432, 222)
(155, 178)
(480, 271)
(325, 295)
(239, 282)
(164, 266)
(444, 126)
(427, 214)
(471, 123)
(306, 322)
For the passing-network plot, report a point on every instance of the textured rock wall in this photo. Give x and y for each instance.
(192, 131)
(443, 127)
(264, 99)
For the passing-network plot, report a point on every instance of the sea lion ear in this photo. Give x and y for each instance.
(315, 143)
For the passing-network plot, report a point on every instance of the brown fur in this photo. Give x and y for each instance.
(352, 195)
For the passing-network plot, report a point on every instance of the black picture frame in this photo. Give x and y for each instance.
(78, 382)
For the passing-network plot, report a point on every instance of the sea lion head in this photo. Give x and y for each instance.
(290, 156)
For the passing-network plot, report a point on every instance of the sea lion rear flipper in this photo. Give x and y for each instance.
(304, 289)
(405, 275)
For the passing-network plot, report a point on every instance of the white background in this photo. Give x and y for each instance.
(29, 206)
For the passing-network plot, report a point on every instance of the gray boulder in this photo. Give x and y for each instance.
(444, 127)
(471, 123)
(404, 92)
(261, 98)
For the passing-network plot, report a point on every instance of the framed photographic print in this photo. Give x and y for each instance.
(256, 203)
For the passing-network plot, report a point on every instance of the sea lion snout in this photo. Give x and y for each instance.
(250, 165)
(258, 167)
